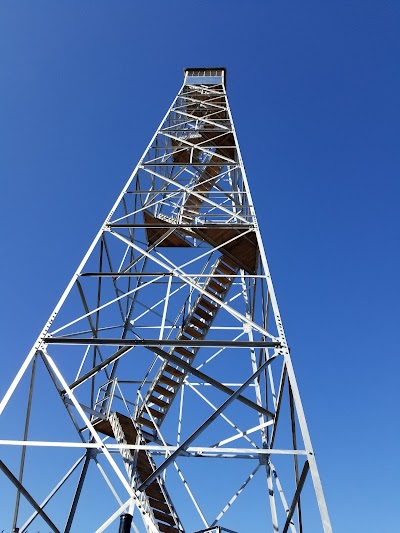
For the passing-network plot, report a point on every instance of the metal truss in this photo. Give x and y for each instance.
(165, 362)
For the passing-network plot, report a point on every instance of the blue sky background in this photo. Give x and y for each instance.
(314, 90)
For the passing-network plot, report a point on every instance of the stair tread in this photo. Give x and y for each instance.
(168, 381)
(168, 529)
(198, 323)
(183, 351)
(212, 284)
(222, 279)
(193, 332)
(145, 422)
(174, 371)
(201, 313)
(224, 269)
(163, 391)
(157, 504)
(208, 304)
(144, 462)
(155, 412)
(155, 492)
(165, 517)
(157, 401)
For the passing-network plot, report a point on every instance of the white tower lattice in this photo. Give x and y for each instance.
(168, 354)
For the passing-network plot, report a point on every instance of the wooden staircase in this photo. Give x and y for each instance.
(155, 504)
(168, 380)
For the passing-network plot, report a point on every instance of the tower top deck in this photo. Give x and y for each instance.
(205, 75)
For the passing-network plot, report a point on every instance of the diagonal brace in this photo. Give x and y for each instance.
(203, 426)
(296, 497)
(205, 377)
(27, 495)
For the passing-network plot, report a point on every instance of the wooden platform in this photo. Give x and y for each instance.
(176, 239)
(243, 251)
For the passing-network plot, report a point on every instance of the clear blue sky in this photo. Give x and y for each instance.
(314, 89)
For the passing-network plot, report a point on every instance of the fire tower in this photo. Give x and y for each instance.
(160, 395)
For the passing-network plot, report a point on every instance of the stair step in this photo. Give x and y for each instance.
(154, 491)
(174, 371)
(168, 381)
(198, 323)
(183, 338)
(191, 202)
(193, 332)
(145, 422)
(201, 313)
(223, 280)
(225, 269)
(207, 304)
(184, 352)
(156, 504)
(193, 211)
(155, 412)
(163, 391)
(168, 529)
(157, 401)
(212, 284)
(167, 518)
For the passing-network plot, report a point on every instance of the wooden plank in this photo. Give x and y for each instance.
(174, 371)
(154, 491)
(168, 529)
(198, 323)
(183, 351)
(144, 467)
(207, 304)
(212, 284)
(157, 504)
(201, 313)
(128, 428)
(154, 234)
(157, 401)
(104, 426)
(193, 332)
(224, 269)
(145, 422)
(168, 381)
(242, 252)
(222, 280)
(164, 517)
(163, 391)
(155, 413)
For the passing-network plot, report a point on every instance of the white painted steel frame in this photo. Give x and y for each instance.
(183, 165)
